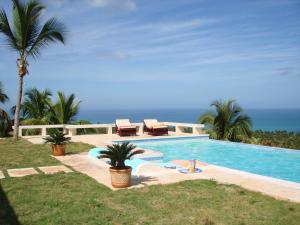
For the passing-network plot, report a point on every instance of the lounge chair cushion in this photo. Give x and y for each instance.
(153, 123)
(124, 123)
(150, 122)
(159, 127)
(128, 127)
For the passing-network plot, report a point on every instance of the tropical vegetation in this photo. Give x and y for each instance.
(35, 108)
(84, 131)
(57, 137)
(38, 108)
(28, 37)
(227, 122)
(119, 153)
(64, 110)
(283, 139)
(5, 121)
(3, 96)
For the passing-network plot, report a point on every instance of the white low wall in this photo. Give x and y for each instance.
(71, 130)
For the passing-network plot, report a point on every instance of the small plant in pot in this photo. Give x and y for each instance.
(118, 154)
(58, 140)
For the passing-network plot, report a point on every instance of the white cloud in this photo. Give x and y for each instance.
(128, 5)
(120, 55)
(57, 3)
(122, 4)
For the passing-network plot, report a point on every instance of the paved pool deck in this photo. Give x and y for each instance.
(151, 173)
(101, 140)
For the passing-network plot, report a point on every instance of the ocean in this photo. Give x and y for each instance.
(264, 119)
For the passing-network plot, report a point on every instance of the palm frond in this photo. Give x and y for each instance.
(207, 118)
(5, 123)
(242, 126)
(7, 31)
(36, 103)
(52, 31)
(28, 36)
(3, 96)
(64, 110)
(57, 138)
(229, 122)
(118, 153)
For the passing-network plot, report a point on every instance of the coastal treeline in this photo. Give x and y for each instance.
(228, 121)
(281, 139)
(39, 107)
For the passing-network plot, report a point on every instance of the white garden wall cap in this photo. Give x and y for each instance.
(71, 129)
(68, 126)
(158, 126)
(184, 124)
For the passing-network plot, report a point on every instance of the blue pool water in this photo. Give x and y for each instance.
(267, 161)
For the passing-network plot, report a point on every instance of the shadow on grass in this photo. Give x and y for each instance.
(7, 213)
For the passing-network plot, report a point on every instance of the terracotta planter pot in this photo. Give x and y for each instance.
(120, 178)
(58, 150)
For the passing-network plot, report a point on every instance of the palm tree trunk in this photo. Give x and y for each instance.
(18, 107)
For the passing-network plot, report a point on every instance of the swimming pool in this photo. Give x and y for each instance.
(274, 162)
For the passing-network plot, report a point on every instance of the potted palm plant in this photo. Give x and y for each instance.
(118, 153)
(58, 140)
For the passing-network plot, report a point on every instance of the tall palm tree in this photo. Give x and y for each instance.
(228, 122)
(36, 104)
(5, 122)
(64, 110)
(28, 37)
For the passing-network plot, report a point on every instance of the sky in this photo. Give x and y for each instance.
(141, 54)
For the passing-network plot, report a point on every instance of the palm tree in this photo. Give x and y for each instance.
(28, 37)
(228, 122)
(5, 122)
(36, 105)
(64, 110)
(119, 153)
(3, 96)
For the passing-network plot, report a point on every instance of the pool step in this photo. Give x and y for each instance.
(151, 155)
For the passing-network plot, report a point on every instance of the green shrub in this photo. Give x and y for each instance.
(282, 139)
(83, 131)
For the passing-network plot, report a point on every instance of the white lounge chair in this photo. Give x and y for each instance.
(125, 128)
(153, 127)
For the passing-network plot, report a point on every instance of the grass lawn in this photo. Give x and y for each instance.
(77, 199)
(23, 154)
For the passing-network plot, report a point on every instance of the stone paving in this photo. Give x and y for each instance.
(1, 175)
(151, 173)
(101, 140)
(54, 169)
(148, 174)
(21, 172)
